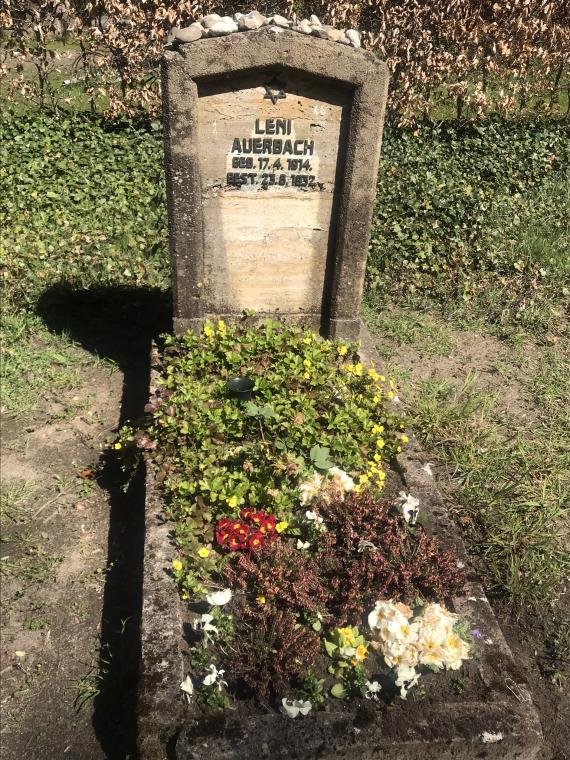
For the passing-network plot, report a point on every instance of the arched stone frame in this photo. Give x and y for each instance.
(360, 73)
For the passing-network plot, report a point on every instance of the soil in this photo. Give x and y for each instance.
(71, 584)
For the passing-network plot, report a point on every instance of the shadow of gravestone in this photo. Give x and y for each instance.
(117, 324)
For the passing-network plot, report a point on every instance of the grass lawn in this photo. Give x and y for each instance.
(481, 358)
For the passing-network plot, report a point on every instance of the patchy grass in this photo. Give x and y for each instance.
(29, 562)
(428, 335)
(508, 475)
(14, 499)
(37, 364)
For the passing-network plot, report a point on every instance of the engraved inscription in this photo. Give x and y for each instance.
(269, 175)
(269, 161)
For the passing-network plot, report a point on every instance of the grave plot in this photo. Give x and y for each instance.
(305, 594)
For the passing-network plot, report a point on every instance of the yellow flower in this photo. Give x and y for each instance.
(260, 599)
(307, 340)
(390, 394)
(377, 457)
(347, 634)
(377, 429)
(382, 378)
(307, 376)
(118, 446)
(380, 443)
(404, 439)
(281, 526)
(376, 399)
(398, 449)
(185, 597)
(233, 502)
(307, 363)
(373, 375)
(208, 331)
(361, 652)
(221, 326)
(176, 565)
(203, 552)
(342, 349)
(358, 369)
(381, 475)
(357, 488)
(363, 478)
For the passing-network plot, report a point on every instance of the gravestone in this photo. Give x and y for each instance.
(272, 150)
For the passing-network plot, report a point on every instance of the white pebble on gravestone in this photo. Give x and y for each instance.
(315, 21)
(226, 25)
(305, 27)
(210, 20)
(279, 21)
(251, 21)
(319, 31)
(354, 37)
(190, 33)
(333, 34)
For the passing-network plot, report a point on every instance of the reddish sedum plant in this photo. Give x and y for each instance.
(368, 552)
(284, 576)
(269, 651)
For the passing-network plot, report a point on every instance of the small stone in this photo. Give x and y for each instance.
(210, 20)
(304, 27)
(354, 38)
(189, 34)
(276, 29)
(343, 39)
(225, 25)
(315, 21)
(319, 31)
(279, 21)
(333, 34)
(251, 21)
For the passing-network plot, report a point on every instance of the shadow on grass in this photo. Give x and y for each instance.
(118, 324)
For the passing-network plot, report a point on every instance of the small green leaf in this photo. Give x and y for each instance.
(330, 648)
(338, 691)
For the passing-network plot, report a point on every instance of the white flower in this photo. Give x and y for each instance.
(410, 507)
(214, 676)
(310, 488)
(347, 653)
(187, 687)
(204, 623)
(303, 544)
(407, 678)
(372, 689)
(219, 598)
(341, 480)
(293, 707)
(314, 517)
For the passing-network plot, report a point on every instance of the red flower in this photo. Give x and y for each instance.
(231, 533)
(245, 514)
(255, 540)
(267, 525)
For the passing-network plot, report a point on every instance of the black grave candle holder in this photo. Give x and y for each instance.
(240, 388)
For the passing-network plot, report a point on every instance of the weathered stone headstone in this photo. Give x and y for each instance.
(273, 143)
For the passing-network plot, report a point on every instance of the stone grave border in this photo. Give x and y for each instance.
(503, 727)
(361, 73)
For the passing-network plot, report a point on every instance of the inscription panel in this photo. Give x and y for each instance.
(269, 163)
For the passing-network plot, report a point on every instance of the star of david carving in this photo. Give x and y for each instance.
(274, 91)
